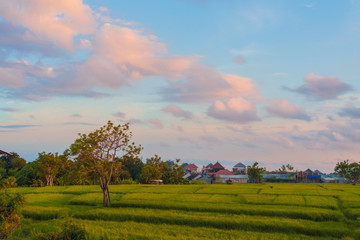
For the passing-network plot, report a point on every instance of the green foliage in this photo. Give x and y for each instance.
(28, 174)
(133, 166)
(98, 152)
(155, 168)
(350, 171)
(11, 164)
(9, 216)
(49, 165)
(255, 172)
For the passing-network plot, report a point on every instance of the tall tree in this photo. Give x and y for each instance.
(50, 165)
(99, 152)
(255, 172)
(350, 171)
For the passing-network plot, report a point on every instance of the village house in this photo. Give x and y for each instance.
(223, 176)
(308, 176)
(192, 168)
(240, 168)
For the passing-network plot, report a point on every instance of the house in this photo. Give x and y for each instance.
(212, 168)
(4, 153)
(222, 176)
(205, 178)
(191, 168)
(240, 168)
(308, 176)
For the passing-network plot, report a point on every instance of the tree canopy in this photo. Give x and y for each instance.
(99, 152)
(350, 171)
(255, 172)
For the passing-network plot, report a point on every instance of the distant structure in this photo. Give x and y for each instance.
(192, 168)
(4, 153)
(239, 168)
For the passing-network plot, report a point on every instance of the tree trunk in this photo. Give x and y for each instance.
(106, 197)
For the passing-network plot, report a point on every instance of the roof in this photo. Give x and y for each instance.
(317, 171)
(239, 165)
(217, 165)
(210, 165)
(308, 170)
(223, 172)
(191, 167)
(313, 176)
(4, 153)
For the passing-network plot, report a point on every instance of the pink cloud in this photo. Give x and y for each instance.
(56, 21)
(282, 108)
(119, 114)
(155, 122)
(177, 111)
(11, 77)
(237, 110)
(322, 87)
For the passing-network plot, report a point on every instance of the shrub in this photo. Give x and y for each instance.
(9, 217)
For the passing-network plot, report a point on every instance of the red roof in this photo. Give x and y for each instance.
(222, 172)
(217, 165)
(210, 165)
(191, 167)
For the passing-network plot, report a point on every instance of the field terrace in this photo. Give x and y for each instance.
(218, 211)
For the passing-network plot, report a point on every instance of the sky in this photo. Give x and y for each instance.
(201, 80)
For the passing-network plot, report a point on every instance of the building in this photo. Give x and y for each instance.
(223, 176)
(240, 168)
(192, 168)
(4, 153)
(308, 176)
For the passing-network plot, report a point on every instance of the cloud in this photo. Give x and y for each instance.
(79, 123)
(211, 141)
(76, 115)
(237, 110)
(119, 114)
(322, 87)
(10, 109)
(177, 111)
(11, 77)
(18, 126)
(239, 60)
(350, 111)
(203, 83)
(56, 21)
(155, 122)
(282, 108)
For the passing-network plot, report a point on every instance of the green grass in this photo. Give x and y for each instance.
(238, 211)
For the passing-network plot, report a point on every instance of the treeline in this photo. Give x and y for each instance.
(59, 169)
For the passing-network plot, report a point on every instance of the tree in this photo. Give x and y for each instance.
(174, 173)
(286, 168)
(350, 171)
(134, 166)
(10, 205)
(50, 165)
(99, 152)
(255, 172)
(153, 169)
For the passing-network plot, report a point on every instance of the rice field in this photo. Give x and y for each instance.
(218, 211)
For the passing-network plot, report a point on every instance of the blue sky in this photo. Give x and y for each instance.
(204, 81)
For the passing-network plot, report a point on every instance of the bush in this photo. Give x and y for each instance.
(9, 217)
